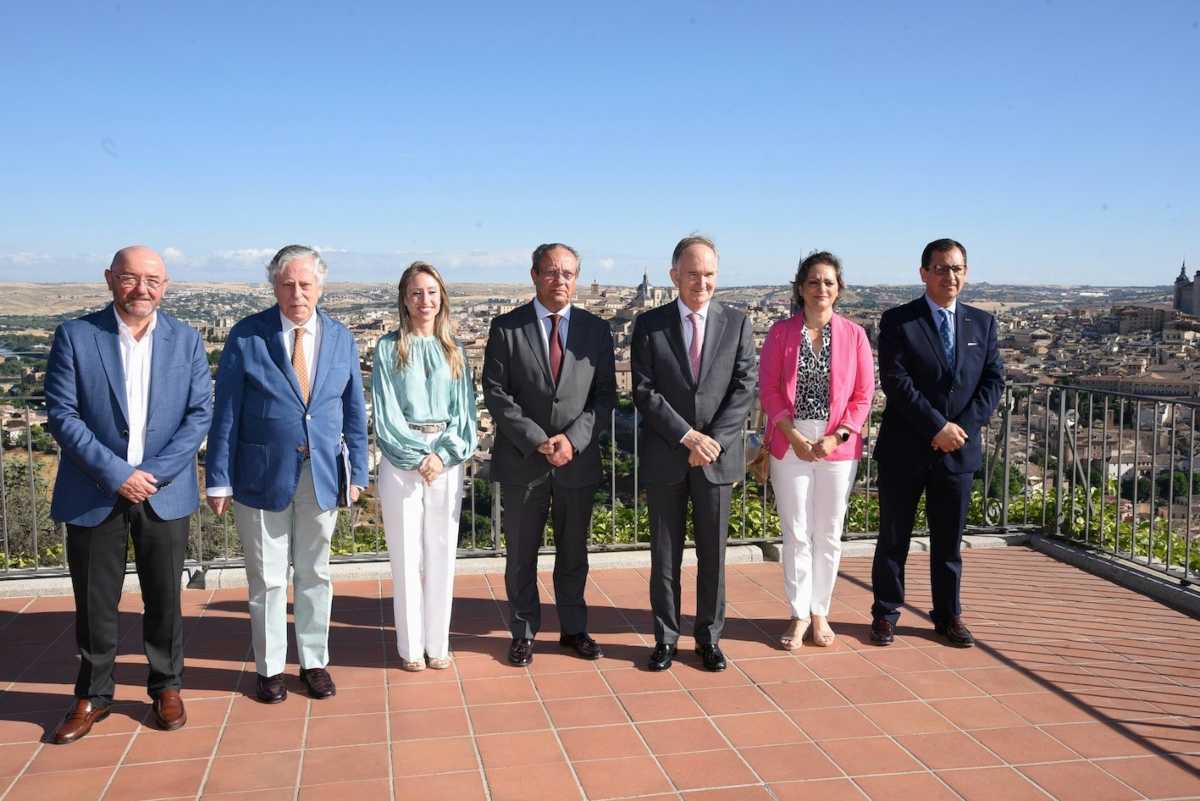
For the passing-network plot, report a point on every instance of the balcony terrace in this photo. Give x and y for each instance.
(1078, 689)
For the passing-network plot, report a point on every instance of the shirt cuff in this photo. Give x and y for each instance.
(219, 492)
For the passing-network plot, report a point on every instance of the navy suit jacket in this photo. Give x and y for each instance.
(924, 391)
(262, 431)
(87, 416)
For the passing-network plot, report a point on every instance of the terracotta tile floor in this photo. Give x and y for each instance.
(1078, 690)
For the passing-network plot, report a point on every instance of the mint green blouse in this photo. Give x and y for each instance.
(423, 392)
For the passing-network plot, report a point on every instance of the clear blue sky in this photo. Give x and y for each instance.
(1059, 140)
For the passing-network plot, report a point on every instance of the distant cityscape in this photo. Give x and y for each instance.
(1142, 340)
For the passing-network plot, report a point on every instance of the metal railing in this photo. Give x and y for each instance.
(1110, 471)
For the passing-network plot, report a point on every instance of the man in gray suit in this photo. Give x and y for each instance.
(549, 381)
(694, 373)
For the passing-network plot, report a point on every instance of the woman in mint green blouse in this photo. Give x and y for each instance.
(424, 402)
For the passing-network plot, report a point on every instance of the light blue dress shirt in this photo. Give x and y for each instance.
(936, 311)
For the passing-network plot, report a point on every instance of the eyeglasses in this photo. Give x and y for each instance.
(131, 281)
(942, 270)
(554, 275)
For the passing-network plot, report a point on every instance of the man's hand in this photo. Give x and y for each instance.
(430, 468)
(704, 449)
(355, 491)
(825, 446)
(950, 438)
(218, 504)
(138, 487)
(557, 450)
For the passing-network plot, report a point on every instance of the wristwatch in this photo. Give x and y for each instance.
(843, 435)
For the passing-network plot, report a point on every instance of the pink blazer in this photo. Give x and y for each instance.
(851, 382)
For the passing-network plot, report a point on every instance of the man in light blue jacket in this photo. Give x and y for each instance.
(128, 399)
(289, 392)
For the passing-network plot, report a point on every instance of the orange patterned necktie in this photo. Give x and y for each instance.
(300, 365)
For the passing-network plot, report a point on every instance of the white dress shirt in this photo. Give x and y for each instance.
(135, 362)
(684, 318)
(543, 315)
(312, 342)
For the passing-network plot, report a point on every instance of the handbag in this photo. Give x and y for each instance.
(760, 465)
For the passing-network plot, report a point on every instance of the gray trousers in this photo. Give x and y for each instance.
(668, 528)
(525, 509)
(299, 535)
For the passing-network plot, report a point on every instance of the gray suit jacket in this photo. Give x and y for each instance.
(528, 408)
(672, 402)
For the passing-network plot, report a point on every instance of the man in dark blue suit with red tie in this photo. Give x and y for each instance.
(940, 369)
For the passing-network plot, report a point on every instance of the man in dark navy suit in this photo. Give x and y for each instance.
(941, 372)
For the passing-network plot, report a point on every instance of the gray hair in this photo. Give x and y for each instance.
(291, 253)
(687, 242)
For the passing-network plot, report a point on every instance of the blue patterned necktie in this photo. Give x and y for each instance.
(947, 339)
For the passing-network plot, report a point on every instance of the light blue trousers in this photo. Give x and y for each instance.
(300, 536)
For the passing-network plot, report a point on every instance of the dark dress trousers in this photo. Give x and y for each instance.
(87, 415)
(923, 392)
(528, 408)
(670, 402)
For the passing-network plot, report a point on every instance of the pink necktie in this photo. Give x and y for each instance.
(697, 343)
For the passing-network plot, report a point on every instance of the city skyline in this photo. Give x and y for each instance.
(1056, 140)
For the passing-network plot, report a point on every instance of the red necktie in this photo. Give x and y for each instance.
(555, 349)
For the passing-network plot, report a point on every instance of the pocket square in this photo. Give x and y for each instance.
(972, 344)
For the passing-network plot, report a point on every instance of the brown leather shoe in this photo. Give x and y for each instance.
(168, 710)
(319, 682)
(882, 632)
(79, 720)
(955, 633)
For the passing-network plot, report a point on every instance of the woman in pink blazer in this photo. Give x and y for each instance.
(816, 382)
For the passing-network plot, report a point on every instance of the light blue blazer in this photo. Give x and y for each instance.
(86, 407)
(261, 430)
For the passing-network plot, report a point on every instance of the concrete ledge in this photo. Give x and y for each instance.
(1160, 587)
(226, 577)
(772, 551)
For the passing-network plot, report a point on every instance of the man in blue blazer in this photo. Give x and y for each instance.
(289, 392)
(940, 369)
(128, 399)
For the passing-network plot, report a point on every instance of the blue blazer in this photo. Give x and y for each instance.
(85, 404)
(261, 429)
(924, 391)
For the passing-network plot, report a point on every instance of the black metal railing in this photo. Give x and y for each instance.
(1108, 470)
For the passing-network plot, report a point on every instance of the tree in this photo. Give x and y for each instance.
(24, 511)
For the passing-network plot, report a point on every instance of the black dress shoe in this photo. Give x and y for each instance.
(583, 645)
(955, 632)
(660, 659)
(520, 653)
(271, 689)
(319, 682)
(711, 655)
(882, 632)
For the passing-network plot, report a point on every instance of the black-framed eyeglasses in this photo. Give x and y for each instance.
(942, 270)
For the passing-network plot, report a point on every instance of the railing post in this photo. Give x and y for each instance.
(1058, 472)
(1006, 421)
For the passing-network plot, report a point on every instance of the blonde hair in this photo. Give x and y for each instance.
(442, 329)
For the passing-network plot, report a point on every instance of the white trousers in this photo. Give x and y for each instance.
(300, 534)
(811, 498)
(421, 526)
